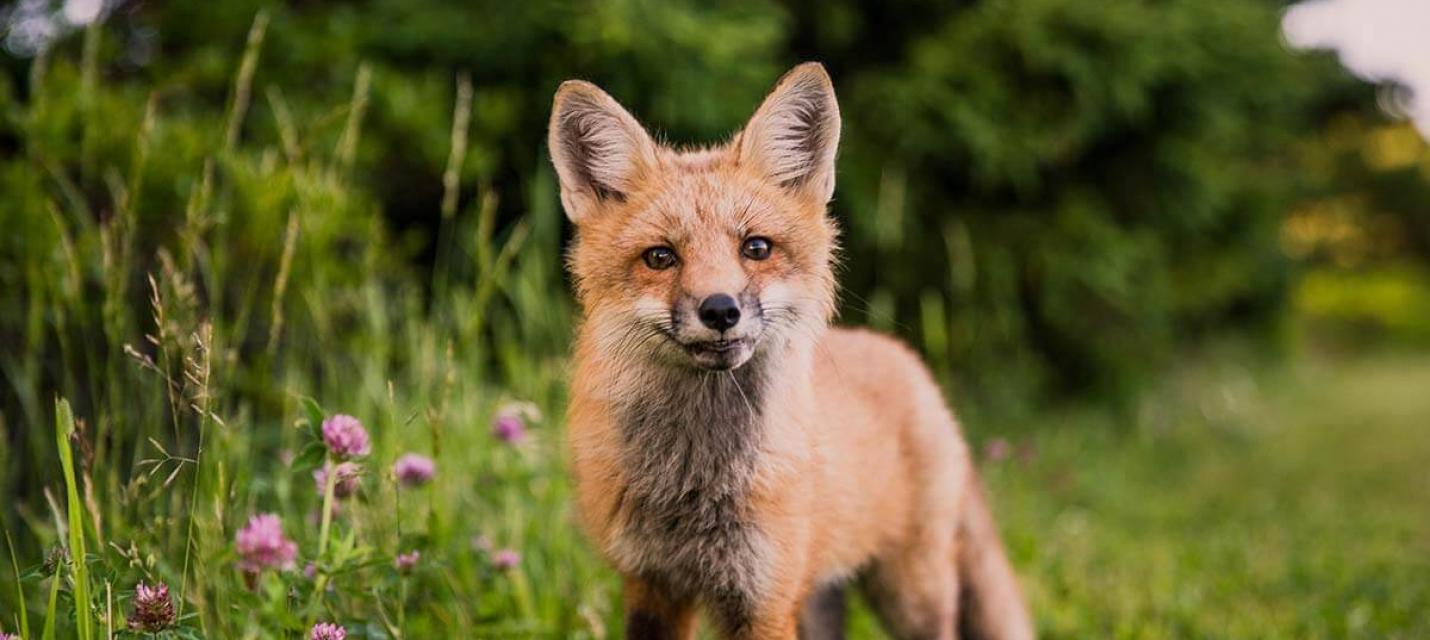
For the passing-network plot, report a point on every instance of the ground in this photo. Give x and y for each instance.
(1291, 503)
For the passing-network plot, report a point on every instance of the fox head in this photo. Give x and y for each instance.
(702, 258)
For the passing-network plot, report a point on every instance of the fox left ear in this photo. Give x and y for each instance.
(793, 136)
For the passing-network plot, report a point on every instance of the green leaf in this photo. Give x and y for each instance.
(315, 415)
(34, 573)
(311, 457)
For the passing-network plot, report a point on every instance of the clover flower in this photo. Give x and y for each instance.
(509, 428)
(327, 631)
(414, 470)
(346, 437)
(153, 610)
(262, 545)
(506, 559)
(406, 562)
(349, 476)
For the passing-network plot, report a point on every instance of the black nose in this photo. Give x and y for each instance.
(719, 312)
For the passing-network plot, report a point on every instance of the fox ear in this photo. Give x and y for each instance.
(793, 136)
(599, 150)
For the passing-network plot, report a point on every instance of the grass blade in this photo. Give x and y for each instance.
(64, 428)
(347, 144)
(19, 588)
(51, 608)
(243, 82)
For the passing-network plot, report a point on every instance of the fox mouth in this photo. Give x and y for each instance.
(716, 346)
(719, 354)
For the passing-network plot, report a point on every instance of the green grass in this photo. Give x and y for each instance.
(1281, 504)
(184, 283)
(1286, 502)
(79, 569)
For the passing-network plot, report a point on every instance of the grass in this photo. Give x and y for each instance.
(187, 285)
(1280, 504)
(79, 569)
(1285, 502)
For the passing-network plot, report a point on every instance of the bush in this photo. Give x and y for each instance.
(1047, 196)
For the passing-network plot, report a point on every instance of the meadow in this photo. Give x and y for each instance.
(189, 318)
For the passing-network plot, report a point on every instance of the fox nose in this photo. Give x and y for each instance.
(719, 312)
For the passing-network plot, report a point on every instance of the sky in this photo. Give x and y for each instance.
(29, 26)
(1379, 40)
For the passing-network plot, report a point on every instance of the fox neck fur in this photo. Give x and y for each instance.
(692, 445)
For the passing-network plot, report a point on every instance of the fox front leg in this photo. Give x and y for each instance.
(653, 613)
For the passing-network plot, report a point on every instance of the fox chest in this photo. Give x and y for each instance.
(697, 544)
(683, 516)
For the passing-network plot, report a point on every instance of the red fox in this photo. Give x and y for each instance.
(731, 452)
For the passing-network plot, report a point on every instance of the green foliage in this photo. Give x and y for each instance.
(1089, 186)
(219, 217)
(186, 289)
(1074, 191)
(1366, 306)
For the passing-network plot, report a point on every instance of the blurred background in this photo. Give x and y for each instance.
(1170, 258)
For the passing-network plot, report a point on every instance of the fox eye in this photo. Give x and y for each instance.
(756, 248)
(659, 258)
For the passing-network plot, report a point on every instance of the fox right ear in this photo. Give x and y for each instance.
(599, 149)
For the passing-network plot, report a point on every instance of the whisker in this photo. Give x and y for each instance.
(736, 382)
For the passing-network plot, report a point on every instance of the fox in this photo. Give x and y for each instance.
(732, 453)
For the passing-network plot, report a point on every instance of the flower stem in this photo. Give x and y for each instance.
(320, 584)
(330, 483)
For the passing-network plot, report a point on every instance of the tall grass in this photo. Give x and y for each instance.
(183, 279)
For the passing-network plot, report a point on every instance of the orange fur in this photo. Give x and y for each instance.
(846, 463)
